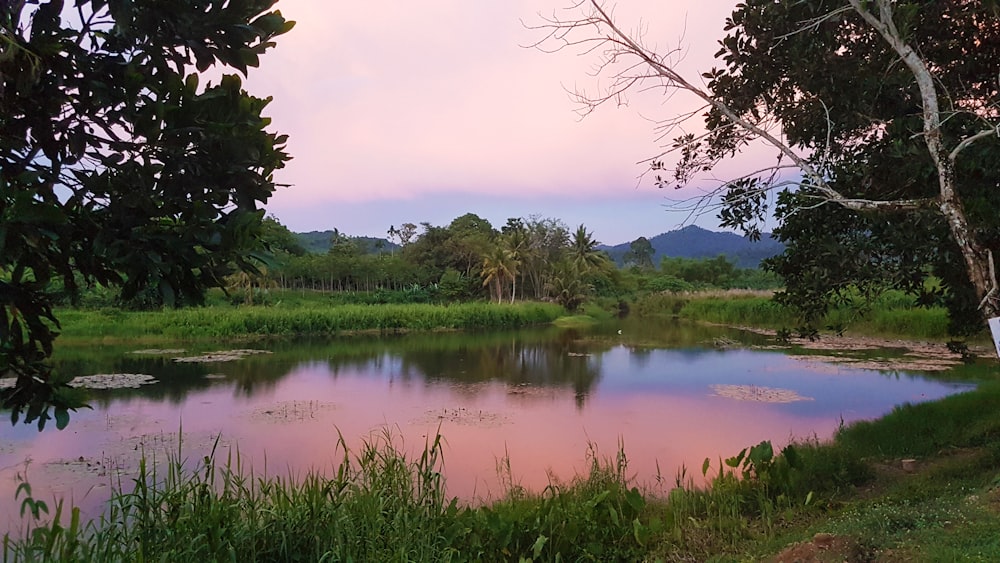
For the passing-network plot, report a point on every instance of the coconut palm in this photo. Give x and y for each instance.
(499, 266)
(515, 244)
(583, 252)
(566, 286)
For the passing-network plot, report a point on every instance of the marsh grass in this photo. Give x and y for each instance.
(378, 506)
(235, 322)
(892, 314)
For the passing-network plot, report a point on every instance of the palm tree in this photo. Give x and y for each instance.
(499, 265)
(515, 244)
(583, 252)
(566, 286)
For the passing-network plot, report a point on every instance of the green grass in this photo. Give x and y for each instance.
(220, 321)
(575, 321)
(892, 315)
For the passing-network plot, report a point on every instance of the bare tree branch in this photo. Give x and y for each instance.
(617, 45)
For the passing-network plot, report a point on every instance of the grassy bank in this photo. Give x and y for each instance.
(377, 505)
(892, 315)
(296, 318)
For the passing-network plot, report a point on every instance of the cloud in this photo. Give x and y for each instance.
(394, 100)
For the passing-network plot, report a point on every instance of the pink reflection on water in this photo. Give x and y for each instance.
(294, 426)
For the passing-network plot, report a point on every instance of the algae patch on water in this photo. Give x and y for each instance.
(757, 393)
(220, 356)
(113, 381)
(101, 381)
(158, 352)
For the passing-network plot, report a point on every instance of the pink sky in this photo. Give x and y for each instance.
(422, 111)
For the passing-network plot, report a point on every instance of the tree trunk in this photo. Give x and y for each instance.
(978, 261)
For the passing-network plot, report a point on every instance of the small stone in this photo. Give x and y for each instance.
(823, 540)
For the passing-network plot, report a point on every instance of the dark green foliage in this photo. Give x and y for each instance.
(319, 242)
(118, 167)
(842, 95)
(639, 254)
(668, 282)
(567, 287)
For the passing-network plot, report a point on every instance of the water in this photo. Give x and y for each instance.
(540, 398)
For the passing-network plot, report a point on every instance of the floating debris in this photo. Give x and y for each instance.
(911, 362)
(221, 356)
(724, 343)
(578, 355)
(159, 351)
(757, 394)
(113, 381)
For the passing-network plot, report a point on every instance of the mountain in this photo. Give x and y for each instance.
(689, 242)
(695, 242)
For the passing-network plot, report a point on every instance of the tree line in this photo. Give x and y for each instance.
(532, 258)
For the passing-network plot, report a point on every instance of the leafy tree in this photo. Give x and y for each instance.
(118, 166)
(888, 113)
(276, 238)
(640, 253)
(469, 239)
(715, 272)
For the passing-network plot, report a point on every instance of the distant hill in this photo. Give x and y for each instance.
(689, 242)
(318, 242)
(695, 242)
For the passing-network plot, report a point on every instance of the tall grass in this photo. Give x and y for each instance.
(227, 322)
(378, 506)
(892, 314)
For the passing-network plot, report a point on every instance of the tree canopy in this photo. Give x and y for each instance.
(883, 120)
(120, 166)
(877, 140)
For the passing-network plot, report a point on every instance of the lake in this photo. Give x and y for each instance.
(539, 398)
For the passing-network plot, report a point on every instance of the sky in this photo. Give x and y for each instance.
(423, 111)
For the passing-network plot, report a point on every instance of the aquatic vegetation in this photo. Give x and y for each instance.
(220, 356)
(757, 393)
(101, 381)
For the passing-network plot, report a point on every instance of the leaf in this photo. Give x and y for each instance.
(536, 548)
(736, 460)
(62, 418)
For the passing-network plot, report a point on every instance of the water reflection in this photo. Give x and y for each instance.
(543, 397)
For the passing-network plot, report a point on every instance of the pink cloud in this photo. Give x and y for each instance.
(389, 100)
